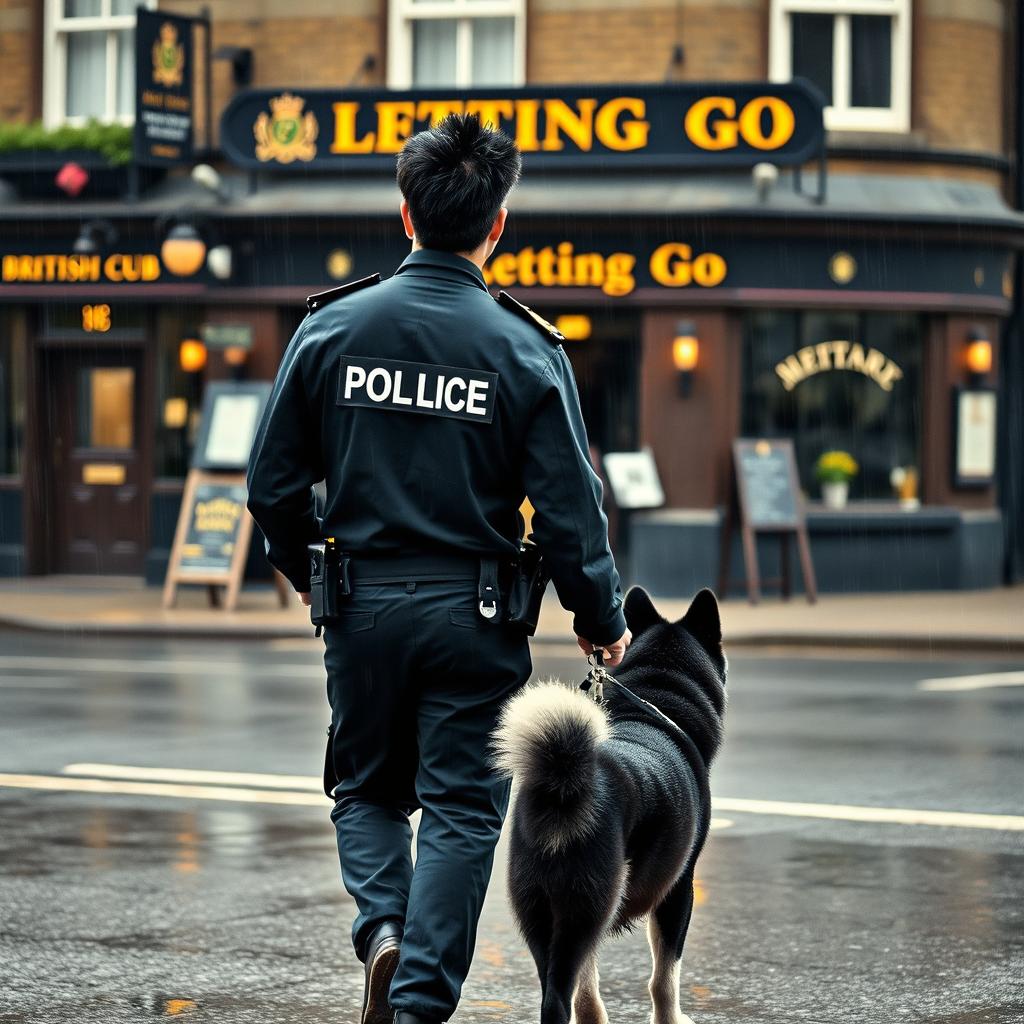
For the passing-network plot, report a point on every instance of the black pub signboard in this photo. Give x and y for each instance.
(164, 101)
(730, 124)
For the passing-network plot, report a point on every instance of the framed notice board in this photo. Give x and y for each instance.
(766, 499)
(974, 437)
(231, 414)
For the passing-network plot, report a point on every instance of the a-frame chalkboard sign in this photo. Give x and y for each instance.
(211, 542)
(766, 499)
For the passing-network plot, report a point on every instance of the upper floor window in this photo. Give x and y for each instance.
(461, 43)
(856, 51)
(89, 60)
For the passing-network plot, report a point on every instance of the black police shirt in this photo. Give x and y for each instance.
(431, 410)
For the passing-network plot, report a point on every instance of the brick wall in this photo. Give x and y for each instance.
(16, 66)
(959, 80)
(600, 41)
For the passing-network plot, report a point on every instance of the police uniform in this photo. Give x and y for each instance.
(431, 410)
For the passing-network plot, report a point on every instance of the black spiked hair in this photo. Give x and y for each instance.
(455, 177)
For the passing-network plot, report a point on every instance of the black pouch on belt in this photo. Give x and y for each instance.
(529, 581)
(328, 582)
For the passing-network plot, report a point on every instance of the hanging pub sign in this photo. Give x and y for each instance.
(674, 125)
(164, 101)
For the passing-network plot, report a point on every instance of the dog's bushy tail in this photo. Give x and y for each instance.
(547, 739)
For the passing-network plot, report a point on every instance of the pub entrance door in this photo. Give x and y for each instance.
(97, 486)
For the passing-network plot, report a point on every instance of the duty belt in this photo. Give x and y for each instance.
(399, 568)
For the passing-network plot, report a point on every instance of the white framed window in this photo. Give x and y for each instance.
(460, 43)
(89, 60)
(856, 51)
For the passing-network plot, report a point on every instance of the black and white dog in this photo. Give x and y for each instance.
(612, 806)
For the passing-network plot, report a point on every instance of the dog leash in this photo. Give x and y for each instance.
(593, 687)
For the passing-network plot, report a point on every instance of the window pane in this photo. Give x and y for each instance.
(82, 8)
(433, 51)
(812, 49)
(871, 60)
(494, 51)
(106, 399)
(87, 61)
(126, 73)
(832, 406)
(12, 389)
(125, 6)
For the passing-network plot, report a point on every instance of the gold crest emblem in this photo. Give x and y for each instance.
(168, 57)
(286, 134)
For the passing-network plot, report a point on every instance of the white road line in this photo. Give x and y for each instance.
(64, 783)
(126, 666)
(878, 815)
(192, 783)
(195, 776)
(988, 680)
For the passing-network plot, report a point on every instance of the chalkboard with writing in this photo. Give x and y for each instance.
(768, 487)
(212, 539)
(768, 500)
(214, 520)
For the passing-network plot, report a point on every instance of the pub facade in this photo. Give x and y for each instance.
(727, 259)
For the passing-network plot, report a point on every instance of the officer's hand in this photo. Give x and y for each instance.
(613, 653)
(304, 597)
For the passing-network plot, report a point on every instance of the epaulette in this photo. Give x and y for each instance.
(321, 299)
(554, 335)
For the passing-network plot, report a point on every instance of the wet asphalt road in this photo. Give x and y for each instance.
(124, 906)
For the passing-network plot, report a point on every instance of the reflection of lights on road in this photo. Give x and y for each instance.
(176, 1007)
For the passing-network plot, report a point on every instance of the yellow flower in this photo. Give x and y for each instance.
(836, 466)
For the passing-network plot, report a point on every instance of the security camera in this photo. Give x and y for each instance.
(765, 176)
(218, 259)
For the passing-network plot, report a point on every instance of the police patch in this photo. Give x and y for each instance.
(453, 392)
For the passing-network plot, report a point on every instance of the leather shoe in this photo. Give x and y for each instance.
(405, 1017)
(382, 952)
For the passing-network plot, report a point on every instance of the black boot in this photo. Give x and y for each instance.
(405, 1017)
(382, 952)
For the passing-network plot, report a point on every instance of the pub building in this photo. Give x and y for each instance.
(714, 280)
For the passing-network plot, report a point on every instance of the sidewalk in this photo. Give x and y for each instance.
(990, 620)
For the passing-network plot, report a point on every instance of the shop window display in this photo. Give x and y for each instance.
(12, 390)
(837, 380)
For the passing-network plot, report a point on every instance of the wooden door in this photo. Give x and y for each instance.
(92, 429)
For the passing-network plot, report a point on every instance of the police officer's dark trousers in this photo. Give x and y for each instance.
(416, 679)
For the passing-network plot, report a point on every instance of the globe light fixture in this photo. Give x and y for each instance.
(978, 355)
(183, 251)
(192, 355)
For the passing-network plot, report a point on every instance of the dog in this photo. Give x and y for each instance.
(612, 806)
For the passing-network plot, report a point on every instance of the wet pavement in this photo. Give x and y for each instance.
(142, 897)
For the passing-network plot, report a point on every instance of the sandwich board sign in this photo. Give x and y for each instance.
(767, 499)
(211, 542)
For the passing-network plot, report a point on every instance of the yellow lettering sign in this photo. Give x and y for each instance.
(674, 266)
(725, 131)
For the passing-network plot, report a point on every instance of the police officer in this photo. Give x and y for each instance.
(431, 410)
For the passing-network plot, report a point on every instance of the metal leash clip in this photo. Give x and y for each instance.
(593, 685)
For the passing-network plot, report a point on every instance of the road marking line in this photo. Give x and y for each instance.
(988, 680)
(195, 776)
(878, 815)
(129, 667)
(834, 812)
(64, 783)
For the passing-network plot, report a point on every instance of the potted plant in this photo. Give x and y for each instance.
(834, 471)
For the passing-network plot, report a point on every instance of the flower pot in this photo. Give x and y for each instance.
(835, 493)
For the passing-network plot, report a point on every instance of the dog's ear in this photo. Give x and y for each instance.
(703, 622)
(640, 611)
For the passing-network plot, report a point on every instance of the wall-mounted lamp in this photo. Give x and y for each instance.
(183, 250)
(978, 354)
(95, 236)
(685, 354)
(575, 326)
(192, 355)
